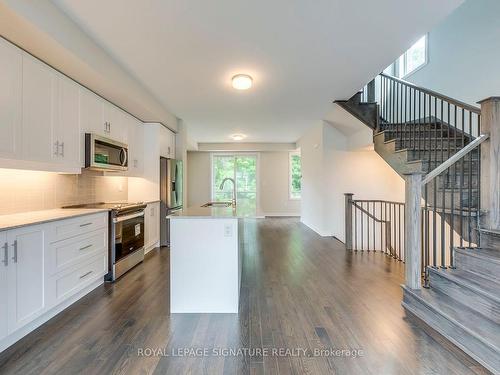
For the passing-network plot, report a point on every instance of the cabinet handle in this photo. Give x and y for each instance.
(85, 247)
(14, 258)
(6, 254)
(85, 225)
(109, 127)
(86, 274)
(56, 148)
(62, 148)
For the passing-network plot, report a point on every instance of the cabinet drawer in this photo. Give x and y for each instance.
(76, 250)
(67, 283)
(65, 229)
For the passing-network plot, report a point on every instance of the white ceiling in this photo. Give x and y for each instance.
(301, 54)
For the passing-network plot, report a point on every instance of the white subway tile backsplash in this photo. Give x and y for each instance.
(22, 191)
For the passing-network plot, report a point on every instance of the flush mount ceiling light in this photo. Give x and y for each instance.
(238, 137)
(241, 82)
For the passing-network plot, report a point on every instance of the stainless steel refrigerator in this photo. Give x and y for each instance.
(170, 194)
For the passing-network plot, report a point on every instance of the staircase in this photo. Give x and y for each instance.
(417, 130)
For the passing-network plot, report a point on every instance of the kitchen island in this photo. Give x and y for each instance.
(206, 245)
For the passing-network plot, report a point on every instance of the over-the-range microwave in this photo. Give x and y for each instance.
(102, 153)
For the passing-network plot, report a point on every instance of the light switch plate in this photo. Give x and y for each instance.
(228, 230)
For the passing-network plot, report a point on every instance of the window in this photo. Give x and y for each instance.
(243, 169)
(413, 59)
(295, 173)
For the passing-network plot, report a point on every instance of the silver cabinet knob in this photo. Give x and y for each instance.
(14, 245)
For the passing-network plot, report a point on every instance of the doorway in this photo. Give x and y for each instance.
(242, 168)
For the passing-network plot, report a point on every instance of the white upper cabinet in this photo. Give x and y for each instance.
(25, 277)
(44, 116)
(4, 263)
(167, 143)
(10, 100)
(117, 123)
(50, 124)
(66, 134)
(91, 113)
(135, 147)
(38, 110)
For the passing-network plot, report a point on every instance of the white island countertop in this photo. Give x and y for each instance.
(38, 217)
(213, 213)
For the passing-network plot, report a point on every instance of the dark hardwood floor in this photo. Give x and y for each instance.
(299, 291)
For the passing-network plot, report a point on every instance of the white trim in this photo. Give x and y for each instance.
(398, 65)
(290, 154)
(317, 230)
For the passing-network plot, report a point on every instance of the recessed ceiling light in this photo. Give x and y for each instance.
(241, 82)
(238, 137)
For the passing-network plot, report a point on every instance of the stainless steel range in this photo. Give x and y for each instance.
(126, 236)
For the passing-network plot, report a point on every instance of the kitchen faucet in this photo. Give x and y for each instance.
(234, 188)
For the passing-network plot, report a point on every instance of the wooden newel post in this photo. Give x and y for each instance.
(348, 221)
(413, 230)
(490, 163)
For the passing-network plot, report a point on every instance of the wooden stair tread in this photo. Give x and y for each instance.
(492, 232)
(489, 255)
(482, 328)
(478, 284)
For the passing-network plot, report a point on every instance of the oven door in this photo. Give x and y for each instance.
(129, 234)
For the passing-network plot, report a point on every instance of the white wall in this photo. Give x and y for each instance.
(273, 182)
(272, 179)
(464, 53)
(334, 164)
(314, 186)
(360, 171)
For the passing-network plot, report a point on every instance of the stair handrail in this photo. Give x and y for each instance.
(369, 214)
(453, 101)
(454, 158)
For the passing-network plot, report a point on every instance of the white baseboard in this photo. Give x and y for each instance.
(151, 247)
(14, 337)
(318, 231)
(281, 214)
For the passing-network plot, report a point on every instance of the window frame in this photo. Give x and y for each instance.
(290, 155)
(400, 63)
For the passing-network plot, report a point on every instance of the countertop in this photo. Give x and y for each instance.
(213, 213)
(38, 217)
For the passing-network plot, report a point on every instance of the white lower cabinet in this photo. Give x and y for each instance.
(44, 268)
(25, 275)
(152, 224)
(64, 284)
(4, 256)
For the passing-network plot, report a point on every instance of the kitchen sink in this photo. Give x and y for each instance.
(217, 204)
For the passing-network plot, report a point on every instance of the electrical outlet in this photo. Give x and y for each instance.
(228, 230)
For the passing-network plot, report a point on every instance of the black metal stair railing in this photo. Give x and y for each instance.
(432, 128)
(376, 225)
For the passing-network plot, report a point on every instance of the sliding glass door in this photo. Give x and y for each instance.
(242, 168)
